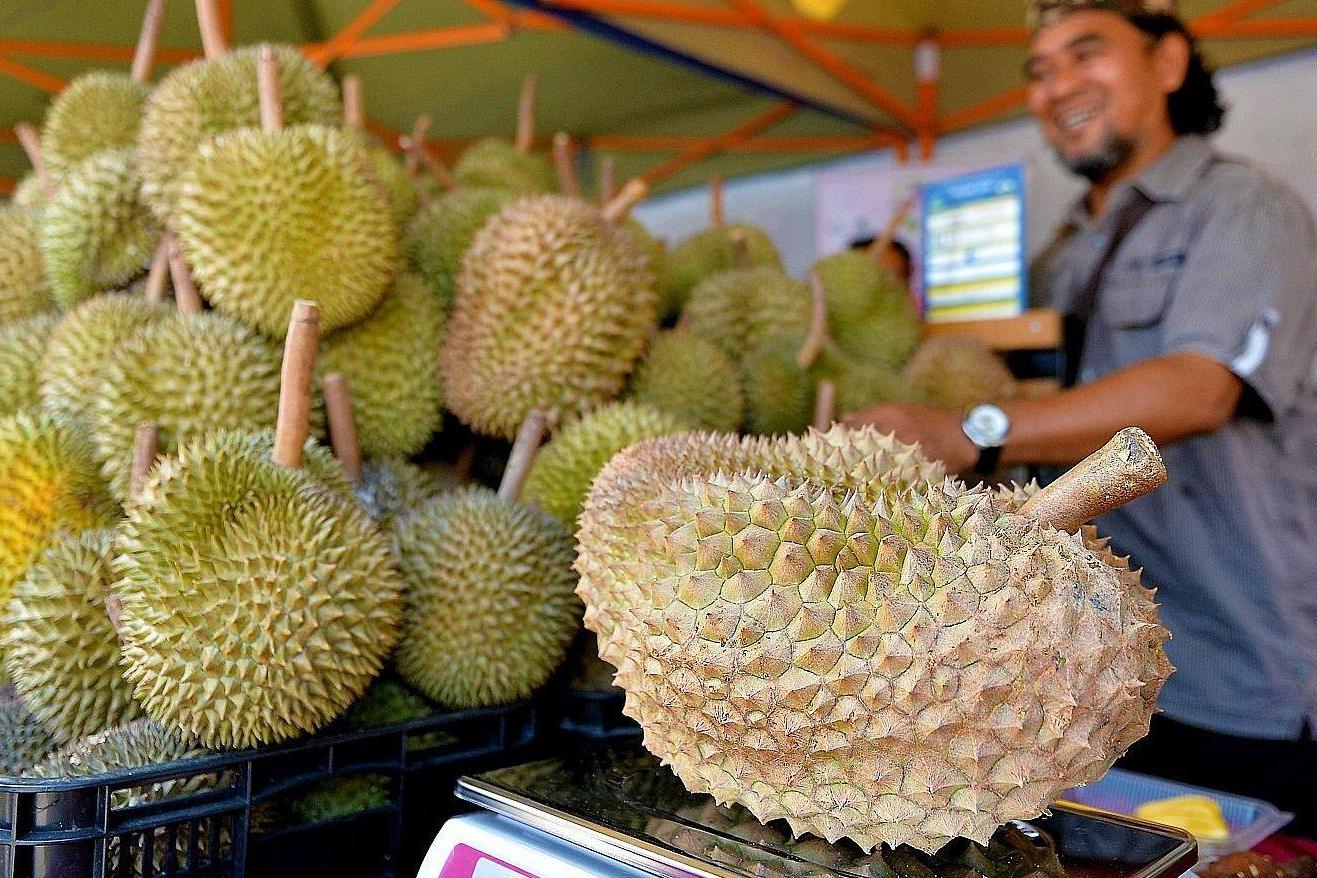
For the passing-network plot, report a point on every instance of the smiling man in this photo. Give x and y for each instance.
(1189, 285)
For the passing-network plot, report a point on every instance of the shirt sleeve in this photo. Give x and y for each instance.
(1247, 294)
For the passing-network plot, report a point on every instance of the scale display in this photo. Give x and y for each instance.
(973, 260)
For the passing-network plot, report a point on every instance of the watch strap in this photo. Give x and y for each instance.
(988, 459)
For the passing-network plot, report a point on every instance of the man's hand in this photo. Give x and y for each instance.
(936, 430)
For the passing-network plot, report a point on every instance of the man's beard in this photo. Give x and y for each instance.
(1100, 163)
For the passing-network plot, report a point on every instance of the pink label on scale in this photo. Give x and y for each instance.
(467, 862)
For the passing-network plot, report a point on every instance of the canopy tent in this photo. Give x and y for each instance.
(676, 89)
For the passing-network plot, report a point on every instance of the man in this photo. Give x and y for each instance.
(1190, 282)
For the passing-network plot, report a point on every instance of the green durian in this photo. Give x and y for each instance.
(958, 373)
(140, 743)
(707, 253)
(60, 647)
(387, 703)
(490, 608)
(338, 797)
(861, 383)
(740, 309)
(24, 287)
(496, 164)
(553, 308)
(24, 741)
(690, 377)
(100, 110)
(30, 194)
(203, 98)
(284, 610)
(97, 233)
(391, 487)
(401, 191)
(391, 363)
(22, 344)
(82, 347)
(870, 316)
(561, 474)
(187, 375)
(443, 230)
(266, 218)
(656, 248)
(779, 393)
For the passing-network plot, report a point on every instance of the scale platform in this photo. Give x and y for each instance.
(619, 806)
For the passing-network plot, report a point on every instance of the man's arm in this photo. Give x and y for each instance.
(1171, 397)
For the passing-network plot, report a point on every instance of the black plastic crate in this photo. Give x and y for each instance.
(222, 826)
(595, 715)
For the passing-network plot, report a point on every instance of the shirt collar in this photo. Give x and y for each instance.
(1167, 179)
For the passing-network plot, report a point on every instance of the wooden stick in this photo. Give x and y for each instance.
(416, 145)
(883, 241)
(272, 107)
(818, 323)
(825, 404)
(146, 445)
(354, 114)
(526, 113)
(632, 194)
(1124, 469)
(294, 423)
(717, 216)
(158, 277)
(212, 30)
(342, 426)
(27, 136)
(186, 296)
(148, 39)
(562, 162)
(437, 170)
(607, 179)
(524, 447)
(740, 249)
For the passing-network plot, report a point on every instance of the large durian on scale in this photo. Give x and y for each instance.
(824, 629)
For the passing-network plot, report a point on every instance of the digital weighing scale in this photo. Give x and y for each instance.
(615, 812)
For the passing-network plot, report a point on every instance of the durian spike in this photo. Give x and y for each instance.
(825, 404)
(186, 296)
(818, 323)
(300, 346)
(31, 141)
(158, 277)
(1124, 469)
(354, 116)
(883, 241)
(147, 40)
(529, 436)
(716, 215)
(342, 426)
(415, 146)
(272, 107)
(607, 179)
(146, 445)
(526, 114)
(212, 31)
(633, 192)
(562, 162)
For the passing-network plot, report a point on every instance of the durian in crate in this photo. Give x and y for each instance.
(497, 164)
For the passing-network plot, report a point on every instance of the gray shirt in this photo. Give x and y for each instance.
(1223, 265)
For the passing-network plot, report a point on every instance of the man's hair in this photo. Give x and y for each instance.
(1196, 106)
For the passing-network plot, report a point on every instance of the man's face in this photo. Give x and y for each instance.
(1098, 86)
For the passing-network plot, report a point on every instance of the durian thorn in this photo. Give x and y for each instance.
(158, 277)
(186, 296)
(529, 436)
(272, 107)
(354, 113)
(212, 31)
(883, 241)
(147, 40)
(294, 422)
(633, 192)
(526, 113)
(415, 145)
(563, 155)
(146, 445)
(716, 215)
(825, 404)
(1124, 469)
(818, 323)
(27, 136)
(342, 426)
(607, 179)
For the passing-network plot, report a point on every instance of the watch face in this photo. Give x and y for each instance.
(987, 425)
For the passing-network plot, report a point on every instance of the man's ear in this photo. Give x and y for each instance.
(1170, 61)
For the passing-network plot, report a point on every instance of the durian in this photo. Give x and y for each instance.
(24, 288)
(779, 392)
(338, 797)
(60, 648)
(203, 98)
(30, 193)
(905, 663)
(560, 477)
(400, 190)
(443, 230)
(97, 111)
(391, 362)
(740, 309)
(387, 703)
(862, 383)
(553, 308)
(958, 373)
(497, 164)
(22, 344)
(870, 315)
(140, 743)
(711, 252)
(97, 233)
(690, 377)
(24, 741)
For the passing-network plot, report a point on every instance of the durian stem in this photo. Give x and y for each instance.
(212, 32)
(607, 179)
(524, 448)
(466, 462)
(146, 444)
(437, 170)
(1124, 469)
(354, 114)
(716, 215)
(740, 249)
(562, 162)
(825, 404)
(272, 108)
(342, 426)
(186, 296)
(818, 323)
(526, 113)
(147, 40)
(27, 136)
(883, 241)
(632, 194)
(158, 277)
(294, 422)
(416, 145)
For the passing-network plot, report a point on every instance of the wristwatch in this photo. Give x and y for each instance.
(986, 426)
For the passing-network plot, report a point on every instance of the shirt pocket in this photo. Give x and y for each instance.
(1134, 300)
